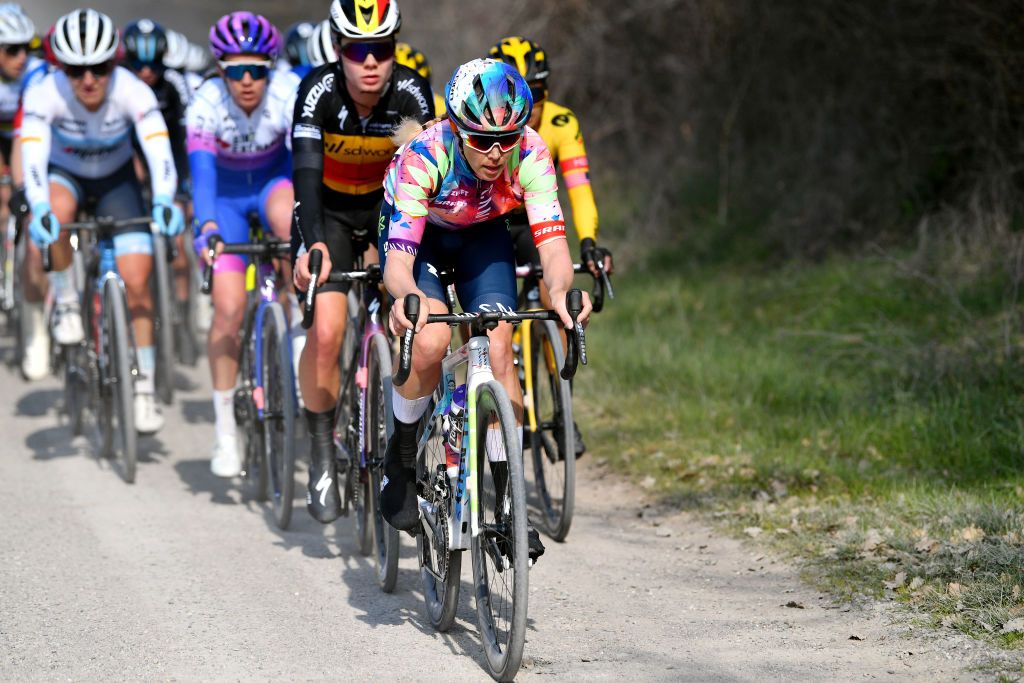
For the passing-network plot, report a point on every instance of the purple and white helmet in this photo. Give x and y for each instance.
(244, 33)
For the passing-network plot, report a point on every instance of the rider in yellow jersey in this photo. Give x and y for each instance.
(560, 130)
(407, 55)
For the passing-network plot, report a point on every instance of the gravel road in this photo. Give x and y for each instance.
(176, 577)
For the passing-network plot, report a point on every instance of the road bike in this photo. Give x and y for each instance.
(549, 432)
(100, 372)
(265, 402)
(464, 506)
(363, 421)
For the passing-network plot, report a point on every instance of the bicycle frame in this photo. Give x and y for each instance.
(476, 352)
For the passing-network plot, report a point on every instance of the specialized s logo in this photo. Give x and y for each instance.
(326, 84)
(409, 85)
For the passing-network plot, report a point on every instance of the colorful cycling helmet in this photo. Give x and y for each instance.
(15, 26)
(145, 41)
(244, 33)
(320, 46)
(488, 96)
(177, 50)
(407, 55)
(84, 37)
(362, 19)
(525, 55)
(295, 43)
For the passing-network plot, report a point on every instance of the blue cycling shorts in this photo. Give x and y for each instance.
(482, 256)
(233, 210)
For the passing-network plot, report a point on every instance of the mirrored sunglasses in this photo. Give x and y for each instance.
(236, 71)
(381, 50)
(482, 142)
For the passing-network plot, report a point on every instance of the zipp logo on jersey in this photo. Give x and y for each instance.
(409, 85)
(326, 84)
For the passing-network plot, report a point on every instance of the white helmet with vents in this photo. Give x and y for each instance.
(177, 50)
(320, 46)
(15, 26)
(84, 37)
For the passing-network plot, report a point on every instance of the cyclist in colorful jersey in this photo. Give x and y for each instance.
(77, 151)
(447, 196)
(238, 134)
(560, 130)
(344, 117)
(407, 55)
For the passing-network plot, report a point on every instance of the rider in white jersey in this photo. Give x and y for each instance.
(239, 125)
(77, 151)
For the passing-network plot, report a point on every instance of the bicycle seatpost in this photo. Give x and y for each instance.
(316, 262)
(211, 256)
(412, 312)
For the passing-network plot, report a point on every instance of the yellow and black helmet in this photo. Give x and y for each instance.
(407, 55)
(525, 55)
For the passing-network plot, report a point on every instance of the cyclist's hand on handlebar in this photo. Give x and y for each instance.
(397, 320)
(592, 255)
(201, 243)
(558, 304)
(301, 274)
(44, 228)
(168, 218)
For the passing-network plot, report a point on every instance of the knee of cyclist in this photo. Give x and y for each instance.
(136, 286)
(431, 344)
(228, 316)
(501, 356)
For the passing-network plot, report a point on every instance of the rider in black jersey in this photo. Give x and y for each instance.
(344, 116)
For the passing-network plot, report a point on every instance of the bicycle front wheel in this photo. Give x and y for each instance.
(279, 405)
(385, 540)
(552, 443)
(163, 320)
(500, 550)
(119, 379)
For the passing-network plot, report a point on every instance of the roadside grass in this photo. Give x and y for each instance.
(865, 414)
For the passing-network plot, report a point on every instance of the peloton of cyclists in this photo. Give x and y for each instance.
(77, 153)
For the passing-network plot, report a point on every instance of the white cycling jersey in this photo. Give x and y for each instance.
(240, 141)
(57, 129)
(11, 92)
(193, 80)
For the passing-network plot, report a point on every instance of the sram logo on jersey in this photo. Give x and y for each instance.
(326, 84)
(548, 229)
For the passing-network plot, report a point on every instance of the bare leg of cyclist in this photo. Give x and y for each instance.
(319, 381)
(398, 496)
(222, 349)
(67, 319)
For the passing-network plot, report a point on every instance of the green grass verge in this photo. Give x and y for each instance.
(865, 414)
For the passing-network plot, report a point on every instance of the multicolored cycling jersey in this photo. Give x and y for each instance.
(58, 130)
(560, 130)
(232, 153)
(11, 93)
(429, 180)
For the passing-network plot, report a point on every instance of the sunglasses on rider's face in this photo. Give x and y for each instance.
(236, 71)
(138, 65)
(12, 50)
(381, 50)
(483, 143)
(77, 71)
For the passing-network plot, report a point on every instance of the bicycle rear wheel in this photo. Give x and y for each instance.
(553, 444)
(186, 332)
(500, 552)
(121, 389)
(384, 538)
(163, 320)
(279, 406)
